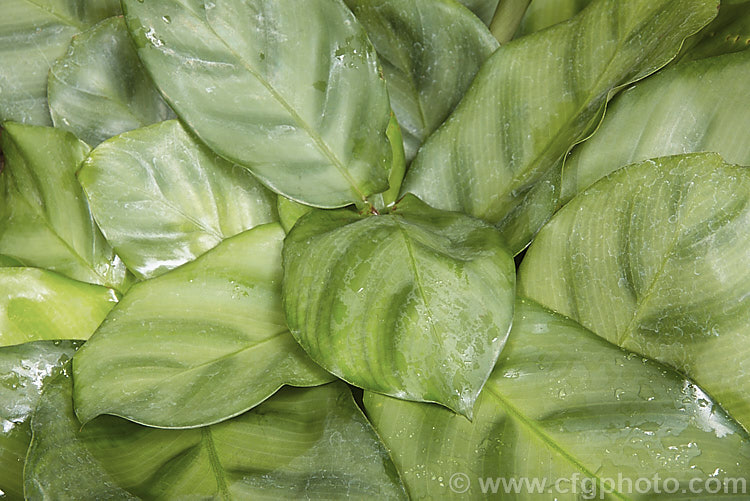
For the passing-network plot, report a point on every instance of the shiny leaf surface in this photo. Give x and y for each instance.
(415, 304)
(198, 345)
(162, 198)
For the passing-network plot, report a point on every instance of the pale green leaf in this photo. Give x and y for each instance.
(24, 371)
(301, 444)
(162, 198)
(688, 108)
(290, 212)
(38, 304)
(502, 148)
(656, 258)
(46, 221)
(397, 170)
(416, 303)
(199, 344)
(430, 51)
(542, 14)
(565, 406)
(99, 88)
(292, 93)
(33, 34)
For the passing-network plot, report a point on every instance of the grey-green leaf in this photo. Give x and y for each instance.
(24, 371)
(198, 345)
(33, 35)
(688, 108)
(46, 221)
(99, 88)
(542, 14)
(502, 148)
(416, 303)
(571, 410)
(162, 198)
(655, 258)
(38, 304)
(301, 444)
(292, 93)
(430, 51)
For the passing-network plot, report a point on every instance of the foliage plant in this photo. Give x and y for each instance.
(374, 249)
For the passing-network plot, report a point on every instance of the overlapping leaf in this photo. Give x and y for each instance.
(567, 408)
(415, 304)
(542, 14)
(729, 32)
(498, 157)
(430, 51)
(301, 444)
(655, 258)
(198, 345)
(483, 9)
(292, 93)
(46, 221)
(162, 198)
(99, 88)
(33, 34)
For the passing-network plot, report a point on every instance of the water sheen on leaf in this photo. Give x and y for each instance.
(162, 198)
(416, 303)
(565, 406)
(200, 344)
(301, 444)
(100, 89)
(292, 93)
(655, 258)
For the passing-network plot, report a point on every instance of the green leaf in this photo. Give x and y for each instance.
(499, 154)
(430, 51)
(162, 198)
(24, 371)
(688, 108)
(565, 406)
(46, 221)
(542, 14)
(292, 93)
(397, 170)
(99, 88)
(198, 345)
(290, 212)
(655, 258)
(38, 304)
(483, 9)
(416, 303)
(9, 261)
(508, 17)
(301, 444)
(33, 35)
(729, 32)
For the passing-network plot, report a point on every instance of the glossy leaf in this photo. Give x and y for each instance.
(162, 198)
(24, 371)
(483, 9)
(33, 34)
(503, 146)
(430, 51)
(99, 88)
(46, 221)
(301, 444)
(655, 258)
(565, 406)
(415, 304)
(542, 14)
(292, 93)
(198, 345)
(37, 305)
(689, 108)
(729, 32)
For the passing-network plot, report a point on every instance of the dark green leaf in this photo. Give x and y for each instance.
(729, 32)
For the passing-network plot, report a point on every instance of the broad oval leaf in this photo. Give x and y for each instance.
(542, 14)
(38, 305)
(688, 108)
(198, 345)
(33, 35)
(162, 198)
(99, 88)
(292, 93)
(416, 304)
(655, 258)
(46, 221)
(430, 51)
(574, 413)
(301, 444)
(24, 371)
(502, 148)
